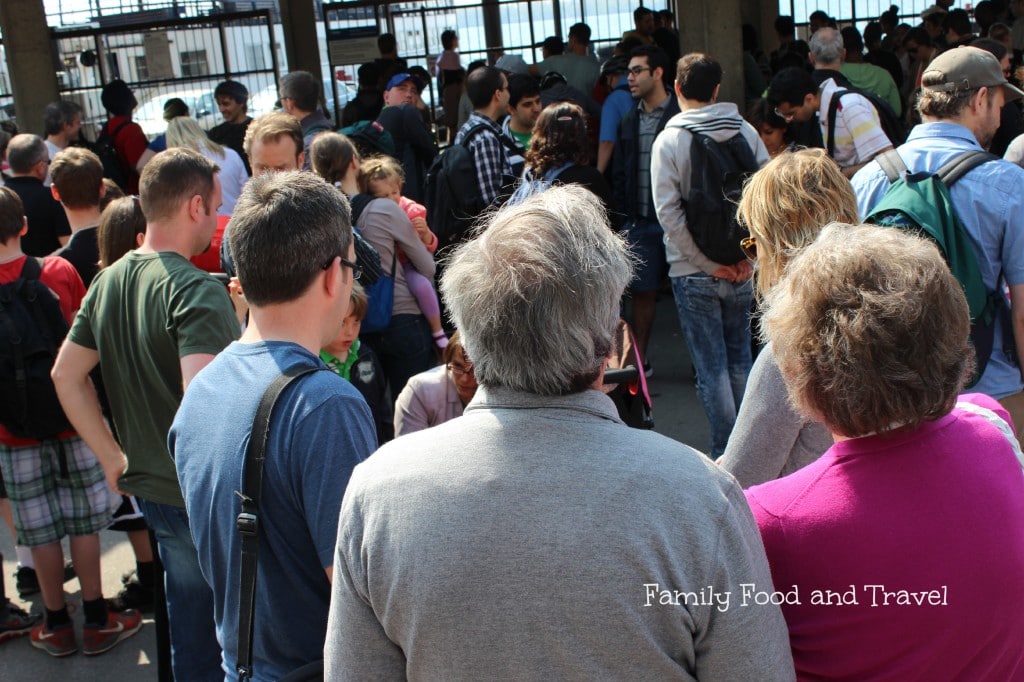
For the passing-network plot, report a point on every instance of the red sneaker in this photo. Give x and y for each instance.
(15, 621)
(98, 639)
(58, 642)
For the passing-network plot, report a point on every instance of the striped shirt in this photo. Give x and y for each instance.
(859, 134)
(647, 130)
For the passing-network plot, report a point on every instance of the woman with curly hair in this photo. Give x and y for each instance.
(560, 153)
(784, 206)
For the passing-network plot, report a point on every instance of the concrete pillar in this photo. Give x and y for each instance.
(713, 27)
(298, 26)
(30, 61)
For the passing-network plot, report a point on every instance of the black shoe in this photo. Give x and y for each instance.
(133, 596)
(27, 582)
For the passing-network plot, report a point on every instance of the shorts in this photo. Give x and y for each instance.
(47, 504)
(646, 241)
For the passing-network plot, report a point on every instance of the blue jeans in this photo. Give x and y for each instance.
(715, 317)
(195, 653)
(405, 348)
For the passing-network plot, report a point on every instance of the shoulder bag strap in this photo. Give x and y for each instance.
(248, 520)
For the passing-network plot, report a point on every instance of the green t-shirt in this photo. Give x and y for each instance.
(143, 314)
(522, 138)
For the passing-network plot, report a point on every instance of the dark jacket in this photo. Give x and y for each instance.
(624, 162)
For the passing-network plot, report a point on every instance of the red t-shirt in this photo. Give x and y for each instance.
(130, 143)
(62, 279)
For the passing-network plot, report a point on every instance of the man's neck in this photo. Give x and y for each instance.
(579, 50)
(166, 238)
(692, 104)
(289, 322)
(493, 113)
(10, 250)
(26, 175)
(82, 218)
(654, 99)
(516, 127)
(58, 141)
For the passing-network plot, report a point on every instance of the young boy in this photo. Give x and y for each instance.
(56, 487)
(356, 363)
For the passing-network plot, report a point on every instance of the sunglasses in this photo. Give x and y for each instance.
(749, 247)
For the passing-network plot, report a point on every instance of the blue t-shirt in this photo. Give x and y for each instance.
(615, 107)
(159, 143)
(320, 430)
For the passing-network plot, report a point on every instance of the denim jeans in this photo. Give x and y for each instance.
(715, 317)
(195, 653)
(405, 348)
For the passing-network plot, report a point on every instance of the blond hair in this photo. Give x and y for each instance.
(785, 204)
(377, 168)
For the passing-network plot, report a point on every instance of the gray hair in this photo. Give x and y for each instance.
(536, 294)
(58, 114)
(284, 228)
(24, 151)
(827, 46)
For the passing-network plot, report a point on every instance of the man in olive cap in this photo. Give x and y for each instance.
(962, 93)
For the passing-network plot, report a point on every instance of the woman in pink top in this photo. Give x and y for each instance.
(899, 554)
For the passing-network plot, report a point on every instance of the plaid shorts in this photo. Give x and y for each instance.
(48, 504)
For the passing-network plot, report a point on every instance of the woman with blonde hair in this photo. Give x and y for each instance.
(185, 132)
(784, 206)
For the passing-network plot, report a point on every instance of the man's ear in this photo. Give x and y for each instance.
(196, 207)
(54, 193)
(301, 158)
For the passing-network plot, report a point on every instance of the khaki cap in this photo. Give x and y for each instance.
(967, 68)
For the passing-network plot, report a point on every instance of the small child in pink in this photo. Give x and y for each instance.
(383, 178)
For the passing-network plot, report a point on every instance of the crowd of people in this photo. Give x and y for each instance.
(393, 384)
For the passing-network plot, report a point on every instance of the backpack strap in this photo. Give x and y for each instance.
(833, 111)
(118, 129)
(247, 522)
(553, 173)
(962, 165)
(892, 164)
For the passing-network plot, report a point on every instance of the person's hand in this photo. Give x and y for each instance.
(113, 471)
(726, 272)
(423, 230)
(744, 271)
(238, 299)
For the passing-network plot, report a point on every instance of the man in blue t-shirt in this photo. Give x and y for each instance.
(291, 240)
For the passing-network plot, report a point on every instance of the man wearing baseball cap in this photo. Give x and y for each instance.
(414, 144)
(962, 93)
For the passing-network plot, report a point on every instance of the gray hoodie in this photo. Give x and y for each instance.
(670, 177)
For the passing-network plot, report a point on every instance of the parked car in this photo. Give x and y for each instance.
(201, 105)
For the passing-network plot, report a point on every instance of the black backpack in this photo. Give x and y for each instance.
(32, 328)
(717, 173)
(105, 148)
(452, 191)
(892, 125)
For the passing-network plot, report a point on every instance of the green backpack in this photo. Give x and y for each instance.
(920, 203)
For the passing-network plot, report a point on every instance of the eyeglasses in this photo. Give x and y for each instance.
(637, 70)
(357, 271)
(749, 247)
(460, 370)
(788, 118)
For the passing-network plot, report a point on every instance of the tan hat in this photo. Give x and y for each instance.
(967, 68)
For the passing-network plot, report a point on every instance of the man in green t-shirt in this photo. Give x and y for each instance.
(154, 320)
(524, 108)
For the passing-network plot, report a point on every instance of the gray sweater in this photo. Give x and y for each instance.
(533, 538)
(770, 439)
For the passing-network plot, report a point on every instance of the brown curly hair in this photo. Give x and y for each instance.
(559, 137)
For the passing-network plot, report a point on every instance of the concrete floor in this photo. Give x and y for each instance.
(677, 414)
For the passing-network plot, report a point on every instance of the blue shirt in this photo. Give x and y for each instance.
(615, 107)
(320, 430)
(989, 201)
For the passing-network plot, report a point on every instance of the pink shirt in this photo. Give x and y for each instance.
(934, 519)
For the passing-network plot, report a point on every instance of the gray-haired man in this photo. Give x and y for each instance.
(538, 536)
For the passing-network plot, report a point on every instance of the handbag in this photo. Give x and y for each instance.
(247, 524)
